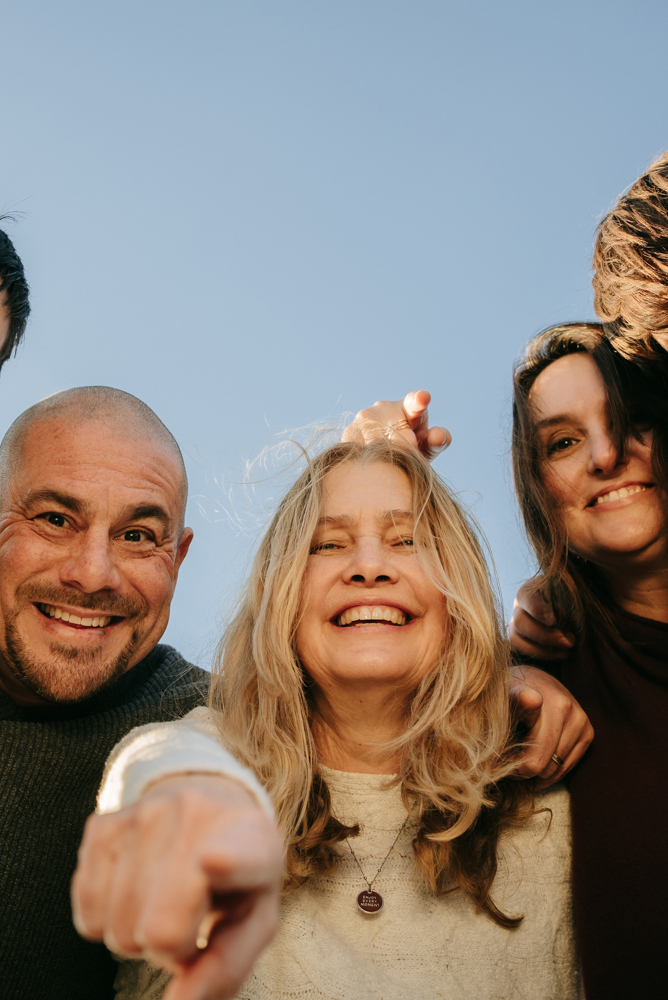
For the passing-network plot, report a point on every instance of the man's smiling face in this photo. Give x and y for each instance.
(90, 547)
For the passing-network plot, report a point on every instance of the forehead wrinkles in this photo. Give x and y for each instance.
(94, 458)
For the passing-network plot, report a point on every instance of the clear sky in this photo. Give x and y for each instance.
(256, 215)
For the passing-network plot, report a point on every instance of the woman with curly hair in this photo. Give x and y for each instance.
(631, 267)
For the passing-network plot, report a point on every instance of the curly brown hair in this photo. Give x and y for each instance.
(631, 266)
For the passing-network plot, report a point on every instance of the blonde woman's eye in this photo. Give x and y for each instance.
(324, 547)
(405, 542)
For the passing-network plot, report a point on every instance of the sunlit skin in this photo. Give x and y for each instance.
(4, 319)
(626, 537)
(362, 555)
(90, 525)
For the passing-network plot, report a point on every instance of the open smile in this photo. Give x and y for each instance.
(620, 494)
(371, 614)
(85, 620)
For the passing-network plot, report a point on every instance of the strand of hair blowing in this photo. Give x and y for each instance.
(631, 264)
(455, 747)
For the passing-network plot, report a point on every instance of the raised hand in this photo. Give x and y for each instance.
(406, 418)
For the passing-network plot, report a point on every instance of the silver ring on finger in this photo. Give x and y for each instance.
(557, 760)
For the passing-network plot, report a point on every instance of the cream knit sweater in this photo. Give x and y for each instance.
(417, 947)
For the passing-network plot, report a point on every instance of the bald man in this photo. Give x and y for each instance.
(92, 536)
(14, 298)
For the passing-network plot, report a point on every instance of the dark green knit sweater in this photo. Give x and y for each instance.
(51, 762)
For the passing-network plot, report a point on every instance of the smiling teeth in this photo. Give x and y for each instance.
(99, 622)
(371, 613)
(626, 491)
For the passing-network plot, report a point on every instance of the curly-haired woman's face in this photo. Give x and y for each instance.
(612, 509)
(370, 611)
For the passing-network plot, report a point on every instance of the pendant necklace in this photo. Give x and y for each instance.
(369, 901)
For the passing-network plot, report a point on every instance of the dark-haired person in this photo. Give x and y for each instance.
(588, 461)
(631, 298)
(14, 298)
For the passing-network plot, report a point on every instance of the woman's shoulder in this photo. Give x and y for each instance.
(555, 797)
(547, 831)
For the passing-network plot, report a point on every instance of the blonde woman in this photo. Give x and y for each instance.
(363, 681)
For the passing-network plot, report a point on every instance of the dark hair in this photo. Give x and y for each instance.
(575, 587)
(15, 288)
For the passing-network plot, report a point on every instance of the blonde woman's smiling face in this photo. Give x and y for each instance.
(370, 612)
(612, 509)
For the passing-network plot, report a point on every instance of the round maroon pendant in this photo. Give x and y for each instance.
(370, 901)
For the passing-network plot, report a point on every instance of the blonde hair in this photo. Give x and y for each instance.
(631, 264)
(454, 750)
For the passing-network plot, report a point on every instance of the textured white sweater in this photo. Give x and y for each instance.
(417, 947)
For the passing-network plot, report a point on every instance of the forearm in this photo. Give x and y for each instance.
(186, 746)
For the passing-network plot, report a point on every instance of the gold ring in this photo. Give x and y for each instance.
(557, 759)
(206, 928)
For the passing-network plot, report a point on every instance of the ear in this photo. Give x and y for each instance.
(186, 538)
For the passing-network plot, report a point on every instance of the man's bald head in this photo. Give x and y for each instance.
(122, 412)
(92, 499)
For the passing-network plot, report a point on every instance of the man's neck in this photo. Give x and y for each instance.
(350, 724)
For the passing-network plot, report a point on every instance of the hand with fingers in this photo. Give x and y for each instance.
(187, 878)
(533, 629)
(558, 731)
(405, 419)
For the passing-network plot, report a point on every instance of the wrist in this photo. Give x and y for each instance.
(208, 784)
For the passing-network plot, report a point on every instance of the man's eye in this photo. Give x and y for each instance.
(57, 520)
(134, 535)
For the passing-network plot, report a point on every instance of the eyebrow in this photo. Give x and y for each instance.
(149, 510)
(385, 517)
(53, 496)
(141, 512)
(396, 515)
(552, 421)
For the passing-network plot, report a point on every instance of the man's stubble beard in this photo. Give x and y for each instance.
(71, 674)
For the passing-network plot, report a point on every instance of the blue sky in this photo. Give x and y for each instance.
(260, 215)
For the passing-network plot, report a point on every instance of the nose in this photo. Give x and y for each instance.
(90, 566)
(604, 456)
(370, 564)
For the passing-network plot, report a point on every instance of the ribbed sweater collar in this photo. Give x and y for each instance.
(120, 692)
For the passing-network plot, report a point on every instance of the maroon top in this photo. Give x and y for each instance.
(619, 796)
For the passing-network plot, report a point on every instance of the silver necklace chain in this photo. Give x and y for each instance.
(384, 859)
